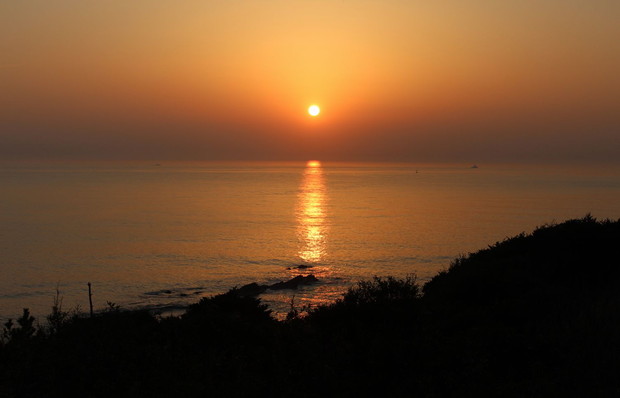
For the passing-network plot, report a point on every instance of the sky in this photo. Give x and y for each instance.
(443, 81)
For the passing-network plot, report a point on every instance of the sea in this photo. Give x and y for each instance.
(161, 236)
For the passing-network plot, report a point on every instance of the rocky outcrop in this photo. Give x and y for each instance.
(300, 266)
(254, 289)
(251, 289)
(294, 283)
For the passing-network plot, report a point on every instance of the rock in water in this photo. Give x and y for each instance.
(295, 282)
(300, 266)
(251, 289)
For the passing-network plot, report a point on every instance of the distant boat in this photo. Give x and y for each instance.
(474, 167)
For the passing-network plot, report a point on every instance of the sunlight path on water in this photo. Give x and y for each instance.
(312, 228)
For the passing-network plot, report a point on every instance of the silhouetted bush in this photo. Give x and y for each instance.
(382, 291)
(230, 307)
(24, 331)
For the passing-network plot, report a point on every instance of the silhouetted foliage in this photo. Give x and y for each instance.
(535, 315)
(23, 332)
(229, 307)
(382, 291)
(58, 318)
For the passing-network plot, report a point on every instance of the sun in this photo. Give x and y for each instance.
(314, 110)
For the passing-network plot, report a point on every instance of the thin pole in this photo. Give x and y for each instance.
(90, 299)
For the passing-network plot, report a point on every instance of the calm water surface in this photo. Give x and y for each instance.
(150, 236)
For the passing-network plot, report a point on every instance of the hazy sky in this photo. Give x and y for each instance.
(452, 80)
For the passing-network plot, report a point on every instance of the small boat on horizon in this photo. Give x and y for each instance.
(474, 167)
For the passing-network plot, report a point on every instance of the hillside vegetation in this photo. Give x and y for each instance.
(536, 315)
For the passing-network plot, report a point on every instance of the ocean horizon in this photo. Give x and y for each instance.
(162, 235)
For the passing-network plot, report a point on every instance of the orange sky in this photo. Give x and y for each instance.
(396, 80)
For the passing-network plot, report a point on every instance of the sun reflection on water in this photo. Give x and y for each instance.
(311, 225)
